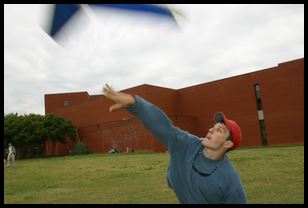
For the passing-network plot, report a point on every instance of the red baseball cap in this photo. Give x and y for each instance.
(234, 128)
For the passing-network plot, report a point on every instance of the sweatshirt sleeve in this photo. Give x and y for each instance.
(157, 122)
(236, 194)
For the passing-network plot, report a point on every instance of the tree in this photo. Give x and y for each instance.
(29, 132)
(11, 127)
(59, 129)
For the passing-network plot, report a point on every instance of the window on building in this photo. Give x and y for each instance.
(260, 114)
(66, 103)
(258, 96)
(263, 132)
(259, 104)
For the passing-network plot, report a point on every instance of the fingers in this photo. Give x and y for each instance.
(108, 91)
(105, 91)
(111, 94)
(109, 88)
(121, 99)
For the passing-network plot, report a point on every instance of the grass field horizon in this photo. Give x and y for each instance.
(270, 175)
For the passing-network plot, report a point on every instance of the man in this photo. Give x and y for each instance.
(6, 152)
(11, 155)
(199, 171)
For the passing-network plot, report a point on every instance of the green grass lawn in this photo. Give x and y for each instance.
(269, 175)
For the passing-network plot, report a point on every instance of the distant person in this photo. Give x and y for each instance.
(6, 152)
(199, 170)
(113, 150)
(11, 155)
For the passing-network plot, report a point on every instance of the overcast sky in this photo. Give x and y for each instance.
(126, 50)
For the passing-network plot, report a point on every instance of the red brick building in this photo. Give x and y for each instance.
(268, 105)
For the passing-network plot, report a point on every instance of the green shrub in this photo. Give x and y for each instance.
(80, 149)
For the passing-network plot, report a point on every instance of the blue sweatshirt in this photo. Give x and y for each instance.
(193, 177)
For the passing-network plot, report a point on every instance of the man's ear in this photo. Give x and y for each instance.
(228, 144)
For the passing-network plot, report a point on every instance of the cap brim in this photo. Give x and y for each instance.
(219, 117)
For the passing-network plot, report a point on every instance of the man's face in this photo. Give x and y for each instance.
(216, 136)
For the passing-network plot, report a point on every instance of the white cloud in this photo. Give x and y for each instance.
(217, 41)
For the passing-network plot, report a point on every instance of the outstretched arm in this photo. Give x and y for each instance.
(152, 117)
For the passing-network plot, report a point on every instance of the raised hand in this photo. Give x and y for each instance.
(121, 99)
